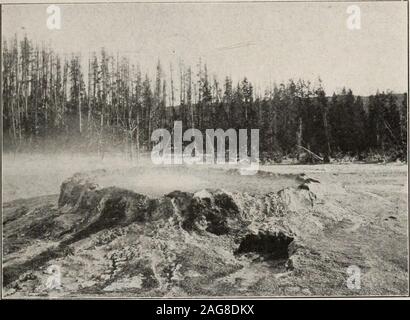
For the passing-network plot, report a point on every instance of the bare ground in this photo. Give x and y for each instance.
(358, 217)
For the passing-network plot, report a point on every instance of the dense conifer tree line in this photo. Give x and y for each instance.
(103, 101)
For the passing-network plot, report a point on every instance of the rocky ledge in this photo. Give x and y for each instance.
(115, 242)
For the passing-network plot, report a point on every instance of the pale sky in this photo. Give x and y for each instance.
(267, 42)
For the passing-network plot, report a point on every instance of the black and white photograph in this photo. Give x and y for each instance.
(204, 149)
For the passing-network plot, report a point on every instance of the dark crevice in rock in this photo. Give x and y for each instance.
(269, 245)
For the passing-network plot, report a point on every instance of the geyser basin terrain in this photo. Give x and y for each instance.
(297, 239)
(155, 181)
